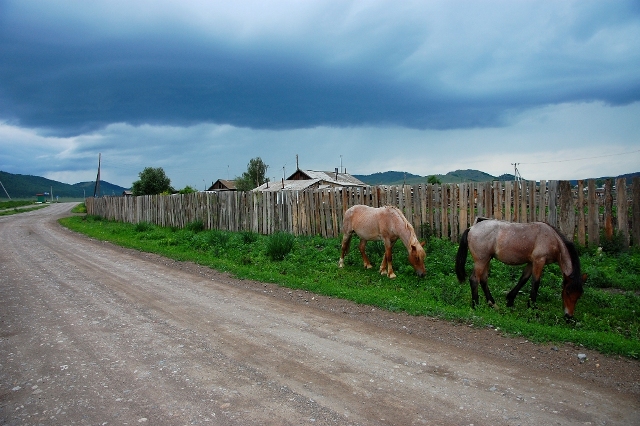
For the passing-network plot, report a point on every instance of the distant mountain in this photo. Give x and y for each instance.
(27, 186)
(388, 178)
(398, 178)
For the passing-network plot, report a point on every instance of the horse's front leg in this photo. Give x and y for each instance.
(526, 273)
(386, 267)
(365, 259)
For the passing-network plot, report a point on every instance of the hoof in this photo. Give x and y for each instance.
(392, 275)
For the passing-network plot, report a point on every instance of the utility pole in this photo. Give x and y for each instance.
(5, 191)
(516, 174)
(96, 188)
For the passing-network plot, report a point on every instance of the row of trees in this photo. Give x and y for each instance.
(153, 180)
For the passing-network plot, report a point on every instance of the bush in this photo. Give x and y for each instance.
(279, 245)
(615, 245)
(211, 240)
(195, 226)
(143, 226)
(248, 237)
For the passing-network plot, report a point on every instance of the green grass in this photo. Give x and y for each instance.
(606, 316)
(14, 203)
(15, 207)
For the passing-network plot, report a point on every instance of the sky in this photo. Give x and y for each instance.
(199, 88)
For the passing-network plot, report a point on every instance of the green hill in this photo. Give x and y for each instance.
(398, 178)
(27, 186)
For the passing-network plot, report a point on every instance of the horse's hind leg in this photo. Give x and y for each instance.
(365, 259)
(526, 273)
(346, 242)
(479, 276)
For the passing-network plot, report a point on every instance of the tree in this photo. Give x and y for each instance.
(187, 190)
(254, 176)
(152, 181)
(434, 180)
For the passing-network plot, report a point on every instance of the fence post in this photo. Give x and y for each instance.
(508, 199)
(593, 227)
(635, 211)
(622, 207)
(608, 210)
(567, 223)
(453, 212)
(553, 210)
(581, 224)
(464, 201)
(497, 200)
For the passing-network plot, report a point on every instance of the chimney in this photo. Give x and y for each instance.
(336, 173)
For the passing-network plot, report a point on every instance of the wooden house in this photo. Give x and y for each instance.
(302, 180)
(223, 185)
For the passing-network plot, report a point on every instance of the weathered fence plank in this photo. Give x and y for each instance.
(635, 211)
(622, 209)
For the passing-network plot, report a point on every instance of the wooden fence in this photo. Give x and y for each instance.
(581, 211)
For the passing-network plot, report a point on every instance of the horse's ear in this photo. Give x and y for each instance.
(422, 243)
(584, 278)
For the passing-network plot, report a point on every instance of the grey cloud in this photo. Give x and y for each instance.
(68, 81)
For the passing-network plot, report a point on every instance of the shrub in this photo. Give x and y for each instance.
(248, 237)
(279, 245)
(143, 226)
(615, 245)
(195, 226)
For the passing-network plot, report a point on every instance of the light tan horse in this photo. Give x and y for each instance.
(532, 244)
(387, 224)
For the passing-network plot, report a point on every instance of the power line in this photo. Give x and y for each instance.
(584, 158)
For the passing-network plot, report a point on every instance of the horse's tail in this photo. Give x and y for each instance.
(461, 257)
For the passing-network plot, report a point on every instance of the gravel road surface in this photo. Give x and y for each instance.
(93, 334)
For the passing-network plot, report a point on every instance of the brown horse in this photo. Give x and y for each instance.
(386, 224)
(534, 244)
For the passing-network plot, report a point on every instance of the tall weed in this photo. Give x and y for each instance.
(279, 245)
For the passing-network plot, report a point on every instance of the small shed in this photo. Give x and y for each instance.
(41, 198)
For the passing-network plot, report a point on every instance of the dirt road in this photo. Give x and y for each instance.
(95, 334)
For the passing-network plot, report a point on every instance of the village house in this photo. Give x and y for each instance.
(223, 185)
(302, 180)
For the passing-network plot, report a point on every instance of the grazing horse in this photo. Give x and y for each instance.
(386, 224)
(534, 244)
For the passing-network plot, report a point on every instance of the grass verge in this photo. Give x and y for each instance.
(606, 317)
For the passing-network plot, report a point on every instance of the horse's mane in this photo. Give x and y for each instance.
(399, 213)
(576, 274)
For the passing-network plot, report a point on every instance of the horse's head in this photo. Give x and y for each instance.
(571, 292)
(416, 258)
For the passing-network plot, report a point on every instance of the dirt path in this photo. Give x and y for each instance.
(95, 334)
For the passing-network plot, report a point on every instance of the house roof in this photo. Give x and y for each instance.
(337, 179)
(222, 184)
(288, 185)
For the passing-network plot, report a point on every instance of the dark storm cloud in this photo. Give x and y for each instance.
(71, 79)
(77, 89)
